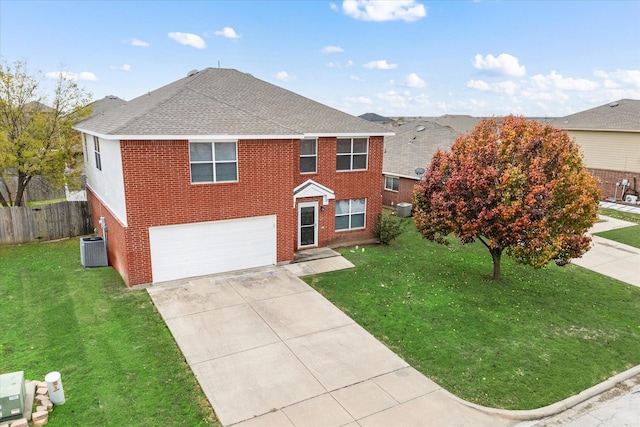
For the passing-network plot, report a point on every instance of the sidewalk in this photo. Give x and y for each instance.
(611, 258)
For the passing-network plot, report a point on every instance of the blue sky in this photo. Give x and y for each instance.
(395, 58)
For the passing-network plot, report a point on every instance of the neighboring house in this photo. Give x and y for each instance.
(609, 137)
(221, 171)
(459, 122)
(377, 118)
(408, 154)
(107, 103)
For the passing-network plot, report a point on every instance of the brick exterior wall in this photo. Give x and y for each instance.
(158, 191)
(346, 185)
(403, 195)
(117, 252)
(607, 181)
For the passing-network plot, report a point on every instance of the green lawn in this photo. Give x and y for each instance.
(534, 338)
(628, 235)
(119, 363)
(614, 213)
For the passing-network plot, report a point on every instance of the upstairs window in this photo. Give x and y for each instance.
(308, 156)
(96, 152)
(352, 154)
(350, 214)
(391, 183)
(213, 162)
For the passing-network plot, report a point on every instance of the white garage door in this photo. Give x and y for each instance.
(188, 250)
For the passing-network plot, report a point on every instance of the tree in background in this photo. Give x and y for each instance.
(516, 186)
(36, 139)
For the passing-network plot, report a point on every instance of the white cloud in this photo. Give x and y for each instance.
(360, 100)
(380, 65)
(478, 85)
(376, 10)
(557, 81)
(188, 39)
(620, 78)
(284, 76)
(139, 43)
(124, 67)
(507, 88)
(334, 64)
(504, 64)
(413, 80)
(392, 97)
(333, 6)
(68, 75)
(332, 49)
(228, 32)
(355, 78)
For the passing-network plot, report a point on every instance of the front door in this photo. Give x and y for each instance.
(307, 224)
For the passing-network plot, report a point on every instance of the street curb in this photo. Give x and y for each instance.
(554, 408)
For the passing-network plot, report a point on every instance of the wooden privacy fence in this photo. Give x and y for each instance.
(45, 222)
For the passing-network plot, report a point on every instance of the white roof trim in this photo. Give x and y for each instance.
(347, 135)
(310, 188)
(226, 137)
(400, 175)
(229, 137)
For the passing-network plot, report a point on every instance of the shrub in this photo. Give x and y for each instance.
(387, 228)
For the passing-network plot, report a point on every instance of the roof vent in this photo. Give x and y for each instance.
(192, 73)
(614, 104)
(420, 128)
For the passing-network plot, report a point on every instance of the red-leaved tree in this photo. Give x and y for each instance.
(517, 186)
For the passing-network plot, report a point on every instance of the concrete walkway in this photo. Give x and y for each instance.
(611, 258)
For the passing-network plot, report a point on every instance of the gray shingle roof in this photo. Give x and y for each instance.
(108, 102)
(224, 102)
(622, 115)
(413, 145)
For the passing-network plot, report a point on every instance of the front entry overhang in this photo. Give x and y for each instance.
(310, 188)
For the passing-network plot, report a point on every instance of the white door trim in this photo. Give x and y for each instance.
(314, 205)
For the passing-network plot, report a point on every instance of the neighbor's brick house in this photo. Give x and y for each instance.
(609, 138)
(221, 171)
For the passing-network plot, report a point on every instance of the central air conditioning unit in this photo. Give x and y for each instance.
(404, 210)
(631, 199)
(93, 252)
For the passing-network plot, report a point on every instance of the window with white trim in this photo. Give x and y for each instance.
(352, 154)
(391, 183)
(350, 214)
(96, 152)
(308, 156)
(213, 162)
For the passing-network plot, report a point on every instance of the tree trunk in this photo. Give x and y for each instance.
(23, 181)
(495, 256)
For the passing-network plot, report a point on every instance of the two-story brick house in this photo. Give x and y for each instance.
(221, 171)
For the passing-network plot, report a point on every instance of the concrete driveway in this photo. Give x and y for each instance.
(268, 350)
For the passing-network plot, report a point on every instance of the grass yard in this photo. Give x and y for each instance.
(614, 213)
(534, 338)
(628, 235)
(119, 363)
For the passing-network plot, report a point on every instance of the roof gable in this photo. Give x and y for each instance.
(218, 102)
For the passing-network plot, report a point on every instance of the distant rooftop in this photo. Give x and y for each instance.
(622, 115)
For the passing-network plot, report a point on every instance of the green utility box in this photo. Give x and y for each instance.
(12, 395)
